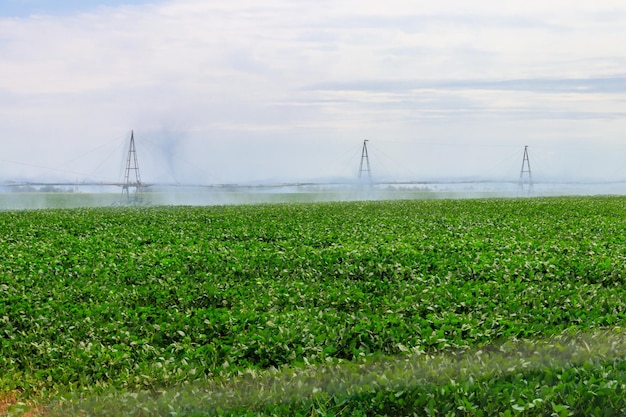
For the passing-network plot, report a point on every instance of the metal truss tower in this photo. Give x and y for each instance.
(525, 175)
(132, 179)
(365, 158)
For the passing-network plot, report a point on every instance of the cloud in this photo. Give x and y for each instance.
(231, 78)
(615, 85)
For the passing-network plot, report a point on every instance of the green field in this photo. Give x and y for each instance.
(433, 307)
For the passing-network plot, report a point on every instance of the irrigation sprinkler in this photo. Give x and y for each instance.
(525, 176)
(132, 178)
(365, 158)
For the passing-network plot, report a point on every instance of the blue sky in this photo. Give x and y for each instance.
(26, 8)
(241, 90)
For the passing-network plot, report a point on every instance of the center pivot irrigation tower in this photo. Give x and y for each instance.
(365, 158)
(525, 185)
(132, 179)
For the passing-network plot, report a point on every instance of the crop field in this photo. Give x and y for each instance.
(434, 307)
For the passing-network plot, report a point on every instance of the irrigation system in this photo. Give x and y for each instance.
(132, 186)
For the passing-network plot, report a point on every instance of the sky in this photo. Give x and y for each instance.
(244, 91)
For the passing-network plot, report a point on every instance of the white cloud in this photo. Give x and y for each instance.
(227, 74)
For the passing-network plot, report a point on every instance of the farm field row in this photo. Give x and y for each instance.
(106, 303)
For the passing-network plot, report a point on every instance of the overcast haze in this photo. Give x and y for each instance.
(283, 90)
